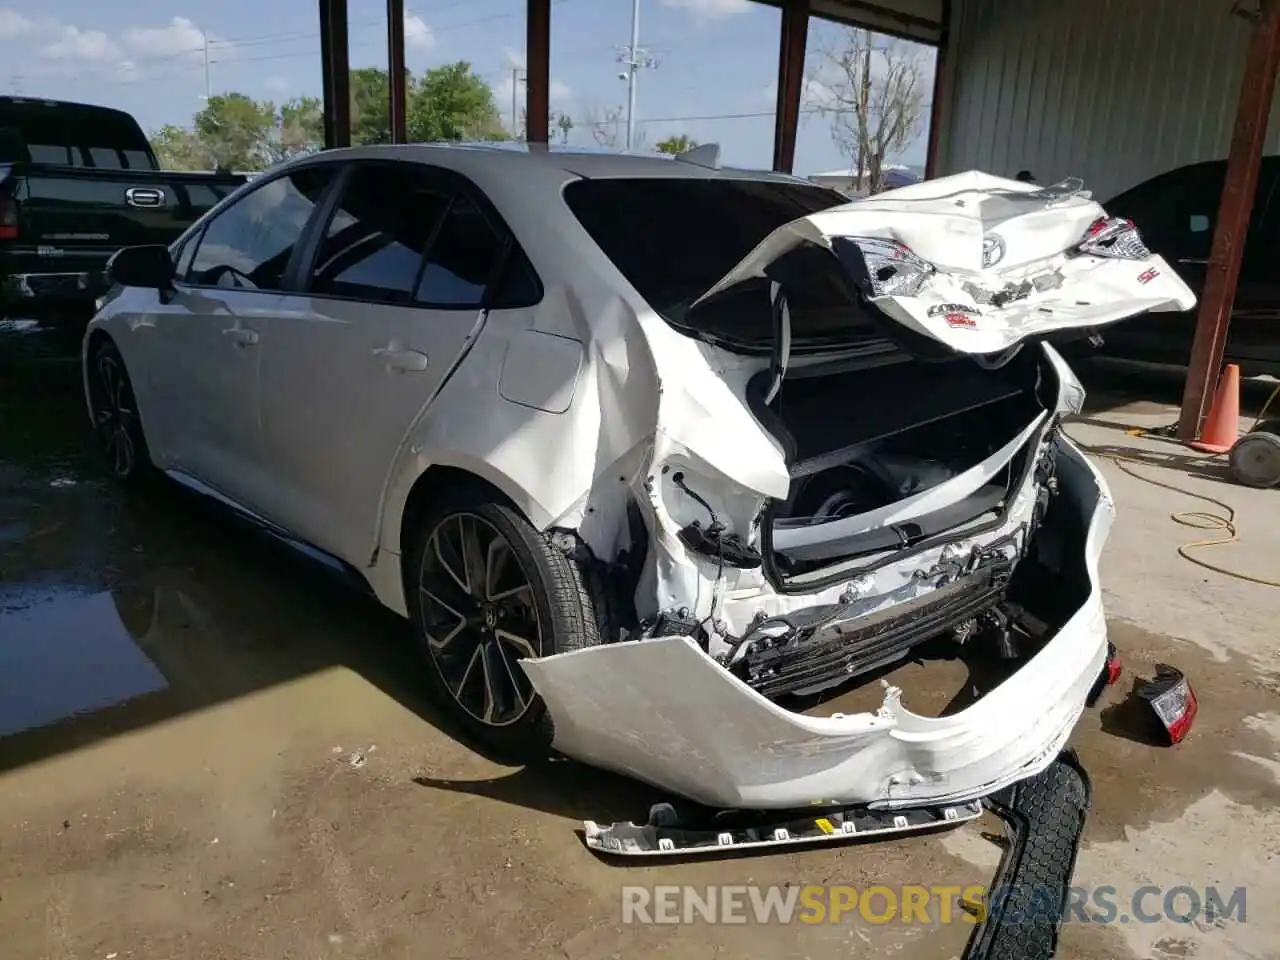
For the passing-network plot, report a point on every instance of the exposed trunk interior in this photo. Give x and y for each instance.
(886, 456)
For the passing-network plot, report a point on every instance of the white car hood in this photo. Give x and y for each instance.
(948, 222)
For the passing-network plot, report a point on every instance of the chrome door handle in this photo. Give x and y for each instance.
(410, 361)
(144, 197)
(241, 336)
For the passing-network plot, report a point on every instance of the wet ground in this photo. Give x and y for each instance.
(210, 749)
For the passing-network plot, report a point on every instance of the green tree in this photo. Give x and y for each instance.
(451, 102)
(179, 149)
(371, 105)
(300, 128)
(676, 143)
(236, 129)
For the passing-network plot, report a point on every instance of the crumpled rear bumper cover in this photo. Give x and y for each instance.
(662, 711)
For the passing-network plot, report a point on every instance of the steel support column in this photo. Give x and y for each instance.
(791, 51)
(941, 91)
(1257, 86)
(335, 69)
(537, 88)
(395, 70)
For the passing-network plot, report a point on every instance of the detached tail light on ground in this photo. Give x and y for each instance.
(1172, 700)
(1115, 238)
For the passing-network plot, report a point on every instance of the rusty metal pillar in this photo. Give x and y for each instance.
(395, 71)
(791, 50)
(1257, 86)
(941, 90)
(537, 88)
(335, 67)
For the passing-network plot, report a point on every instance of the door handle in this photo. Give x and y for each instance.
(241, 336)
(409, 361)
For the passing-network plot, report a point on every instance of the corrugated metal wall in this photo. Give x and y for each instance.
(1114, 91)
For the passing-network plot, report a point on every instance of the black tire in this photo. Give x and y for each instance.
(114, 412)
(455, 626)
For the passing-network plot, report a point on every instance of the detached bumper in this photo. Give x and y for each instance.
(664, 712)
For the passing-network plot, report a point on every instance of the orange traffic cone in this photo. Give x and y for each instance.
(1222, 426)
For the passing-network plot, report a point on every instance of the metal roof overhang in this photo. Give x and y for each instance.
(919, 20)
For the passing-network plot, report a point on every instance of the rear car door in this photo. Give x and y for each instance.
(397, 292)
(202, 343)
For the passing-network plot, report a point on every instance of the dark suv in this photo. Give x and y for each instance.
(1176, 213)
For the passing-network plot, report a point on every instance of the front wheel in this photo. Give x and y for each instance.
(114, 410)
(487, 590)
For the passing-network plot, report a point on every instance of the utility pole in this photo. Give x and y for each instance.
(633, 58)
(516, 80)
(208, 84)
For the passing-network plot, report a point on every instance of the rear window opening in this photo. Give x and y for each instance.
(674, 238)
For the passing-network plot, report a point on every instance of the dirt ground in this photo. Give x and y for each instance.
(209, 750)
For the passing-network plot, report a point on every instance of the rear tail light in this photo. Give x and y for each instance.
(8, 219)
(892, 269)
(1115, 238)
(1172, 700)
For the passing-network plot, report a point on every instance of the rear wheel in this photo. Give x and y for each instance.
(487, 590)
(115, 415)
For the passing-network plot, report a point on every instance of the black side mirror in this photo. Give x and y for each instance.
(142, 266)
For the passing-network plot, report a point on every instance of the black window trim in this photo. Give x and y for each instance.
(453, 184)
(288, 278)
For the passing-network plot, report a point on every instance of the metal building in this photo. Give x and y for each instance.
(1112, 91)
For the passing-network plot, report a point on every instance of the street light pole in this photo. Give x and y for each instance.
(633, 58)
(208, 84)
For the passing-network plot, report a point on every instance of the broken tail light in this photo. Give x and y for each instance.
(1173, 701)
(892, 269)
(1115, 238)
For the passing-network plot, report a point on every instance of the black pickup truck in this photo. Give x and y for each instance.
(77, 182)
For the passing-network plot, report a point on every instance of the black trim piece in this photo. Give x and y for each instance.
(1044, 817)
(872, 641)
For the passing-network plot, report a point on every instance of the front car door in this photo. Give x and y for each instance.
(396, 293)
(205, 339)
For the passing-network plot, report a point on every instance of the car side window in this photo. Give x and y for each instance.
(247, 246)
(373, 247)
(461, 262)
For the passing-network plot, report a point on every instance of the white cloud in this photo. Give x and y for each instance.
(706, 10)
(277, 85)
(87, 45)
(14, 24)
(514, 58)
(417, 35)
(179, 37)
(561, 96)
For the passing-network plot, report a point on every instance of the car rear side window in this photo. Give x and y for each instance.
(248, 245)
(373, 247)
(461, 263)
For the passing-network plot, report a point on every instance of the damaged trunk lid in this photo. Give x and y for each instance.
(967, 264)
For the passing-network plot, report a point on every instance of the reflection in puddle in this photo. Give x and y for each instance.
(66, 654)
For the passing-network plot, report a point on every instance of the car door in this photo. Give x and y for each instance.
(395, 295)
(206, 337)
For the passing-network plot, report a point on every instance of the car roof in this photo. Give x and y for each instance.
(577, 161)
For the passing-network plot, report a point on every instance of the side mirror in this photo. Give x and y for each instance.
(142, 266)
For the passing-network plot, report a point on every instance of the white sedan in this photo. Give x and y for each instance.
(645, 446)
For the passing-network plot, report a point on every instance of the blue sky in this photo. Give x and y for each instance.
(714, 58)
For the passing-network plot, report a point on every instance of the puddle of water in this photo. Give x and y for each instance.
(67, 654)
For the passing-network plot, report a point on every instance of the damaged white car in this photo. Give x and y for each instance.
(646, 448)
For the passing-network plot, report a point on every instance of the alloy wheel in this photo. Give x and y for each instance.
(479, 617)
(115, 414)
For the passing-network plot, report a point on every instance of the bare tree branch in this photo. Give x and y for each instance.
(872, 90)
